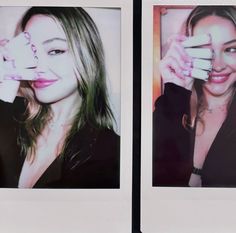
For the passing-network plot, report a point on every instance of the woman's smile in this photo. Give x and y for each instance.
(218, 78)
(56, 79)
(223, 34)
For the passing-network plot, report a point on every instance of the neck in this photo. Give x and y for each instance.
(216, 101)
(65, 110)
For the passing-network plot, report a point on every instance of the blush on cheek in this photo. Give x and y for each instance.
(62, 69)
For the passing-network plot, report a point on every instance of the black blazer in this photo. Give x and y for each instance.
(173, 145)
(90, 160)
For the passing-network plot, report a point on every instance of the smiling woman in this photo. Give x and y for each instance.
(55, 68)
(195, 119)
(62, 122)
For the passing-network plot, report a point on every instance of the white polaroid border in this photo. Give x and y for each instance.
(175, 210)
(81, 210)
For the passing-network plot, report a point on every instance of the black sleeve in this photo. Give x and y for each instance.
(9, 150)
(171, 141)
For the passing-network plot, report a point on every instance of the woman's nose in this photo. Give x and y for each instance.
(218, 63)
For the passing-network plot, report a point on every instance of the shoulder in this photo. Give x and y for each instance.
(93, 159)
(104, 144)
(174, 100)
(107, 137)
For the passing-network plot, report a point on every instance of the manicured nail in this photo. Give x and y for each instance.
(27, 37)
(33, 47)
(12, 77)
(186, 72)
(197, 40)
(4, 41)
(200, 74)
(189, 64)
(204, 53)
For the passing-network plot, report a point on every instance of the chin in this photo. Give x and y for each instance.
(219, 91)
(46, 100)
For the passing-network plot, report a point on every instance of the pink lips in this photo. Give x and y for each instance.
(218, 78)
(42, 83)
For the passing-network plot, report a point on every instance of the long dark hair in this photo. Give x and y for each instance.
(86, 48)
(198, 13)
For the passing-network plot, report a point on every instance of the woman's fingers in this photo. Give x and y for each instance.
(202, 64)
(3, 42)
(197, 73)
(172, 64)
(204, 53)
(177, 51)
(198, 40)
(22, 51)
(20, 75)
(175, 75)
(177, 38)
(183, 62)
(9, 90)
(18, 58)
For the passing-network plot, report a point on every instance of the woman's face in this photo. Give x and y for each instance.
(223, 34)
(55, 77)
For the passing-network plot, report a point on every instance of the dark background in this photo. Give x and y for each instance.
(137, 10)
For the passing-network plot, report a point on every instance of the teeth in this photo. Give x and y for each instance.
(217, 78)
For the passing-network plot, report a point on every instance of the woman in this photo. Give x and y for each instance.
(195, 119)
(63, 123)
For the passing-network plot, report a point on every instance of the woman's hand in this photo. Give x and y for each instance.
(8, 87)
(17, 62)
(185, 61)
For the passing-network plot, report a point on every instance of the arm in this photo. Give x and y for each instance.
(18, 61)
(171, 141)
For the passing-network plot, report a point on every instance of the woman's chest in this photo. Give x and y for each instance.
(32, 171)
(47, 151)
(206, 132)
(215, 151)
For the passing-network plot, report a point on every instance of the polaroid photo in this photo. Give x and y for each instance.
(66, 122)
(188, 95)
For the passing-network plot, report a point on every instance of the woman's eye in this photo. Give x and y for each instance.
(231, 50)
(56, 52)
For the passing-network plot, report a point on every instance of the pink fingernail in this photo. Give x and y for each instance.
(189, 64)
(4, 41)
(13, 77)
(186, 72)
(33, 47)
(27, 37)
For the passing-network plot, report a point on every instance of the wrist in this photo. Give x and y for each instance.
(9, 90)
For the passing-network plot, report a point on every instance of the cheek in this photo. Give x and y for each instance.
(61, 66)
(230, 61)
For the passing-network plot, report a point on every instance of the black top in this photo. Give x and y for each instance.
(173, 145)
(91, 158)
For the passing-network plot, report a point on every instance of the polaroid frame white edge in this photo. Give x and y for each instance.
(81, 210)
(173, 210)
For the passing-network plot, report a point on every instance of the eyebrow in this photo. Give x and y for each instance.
(229, 42)
(53, 39)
